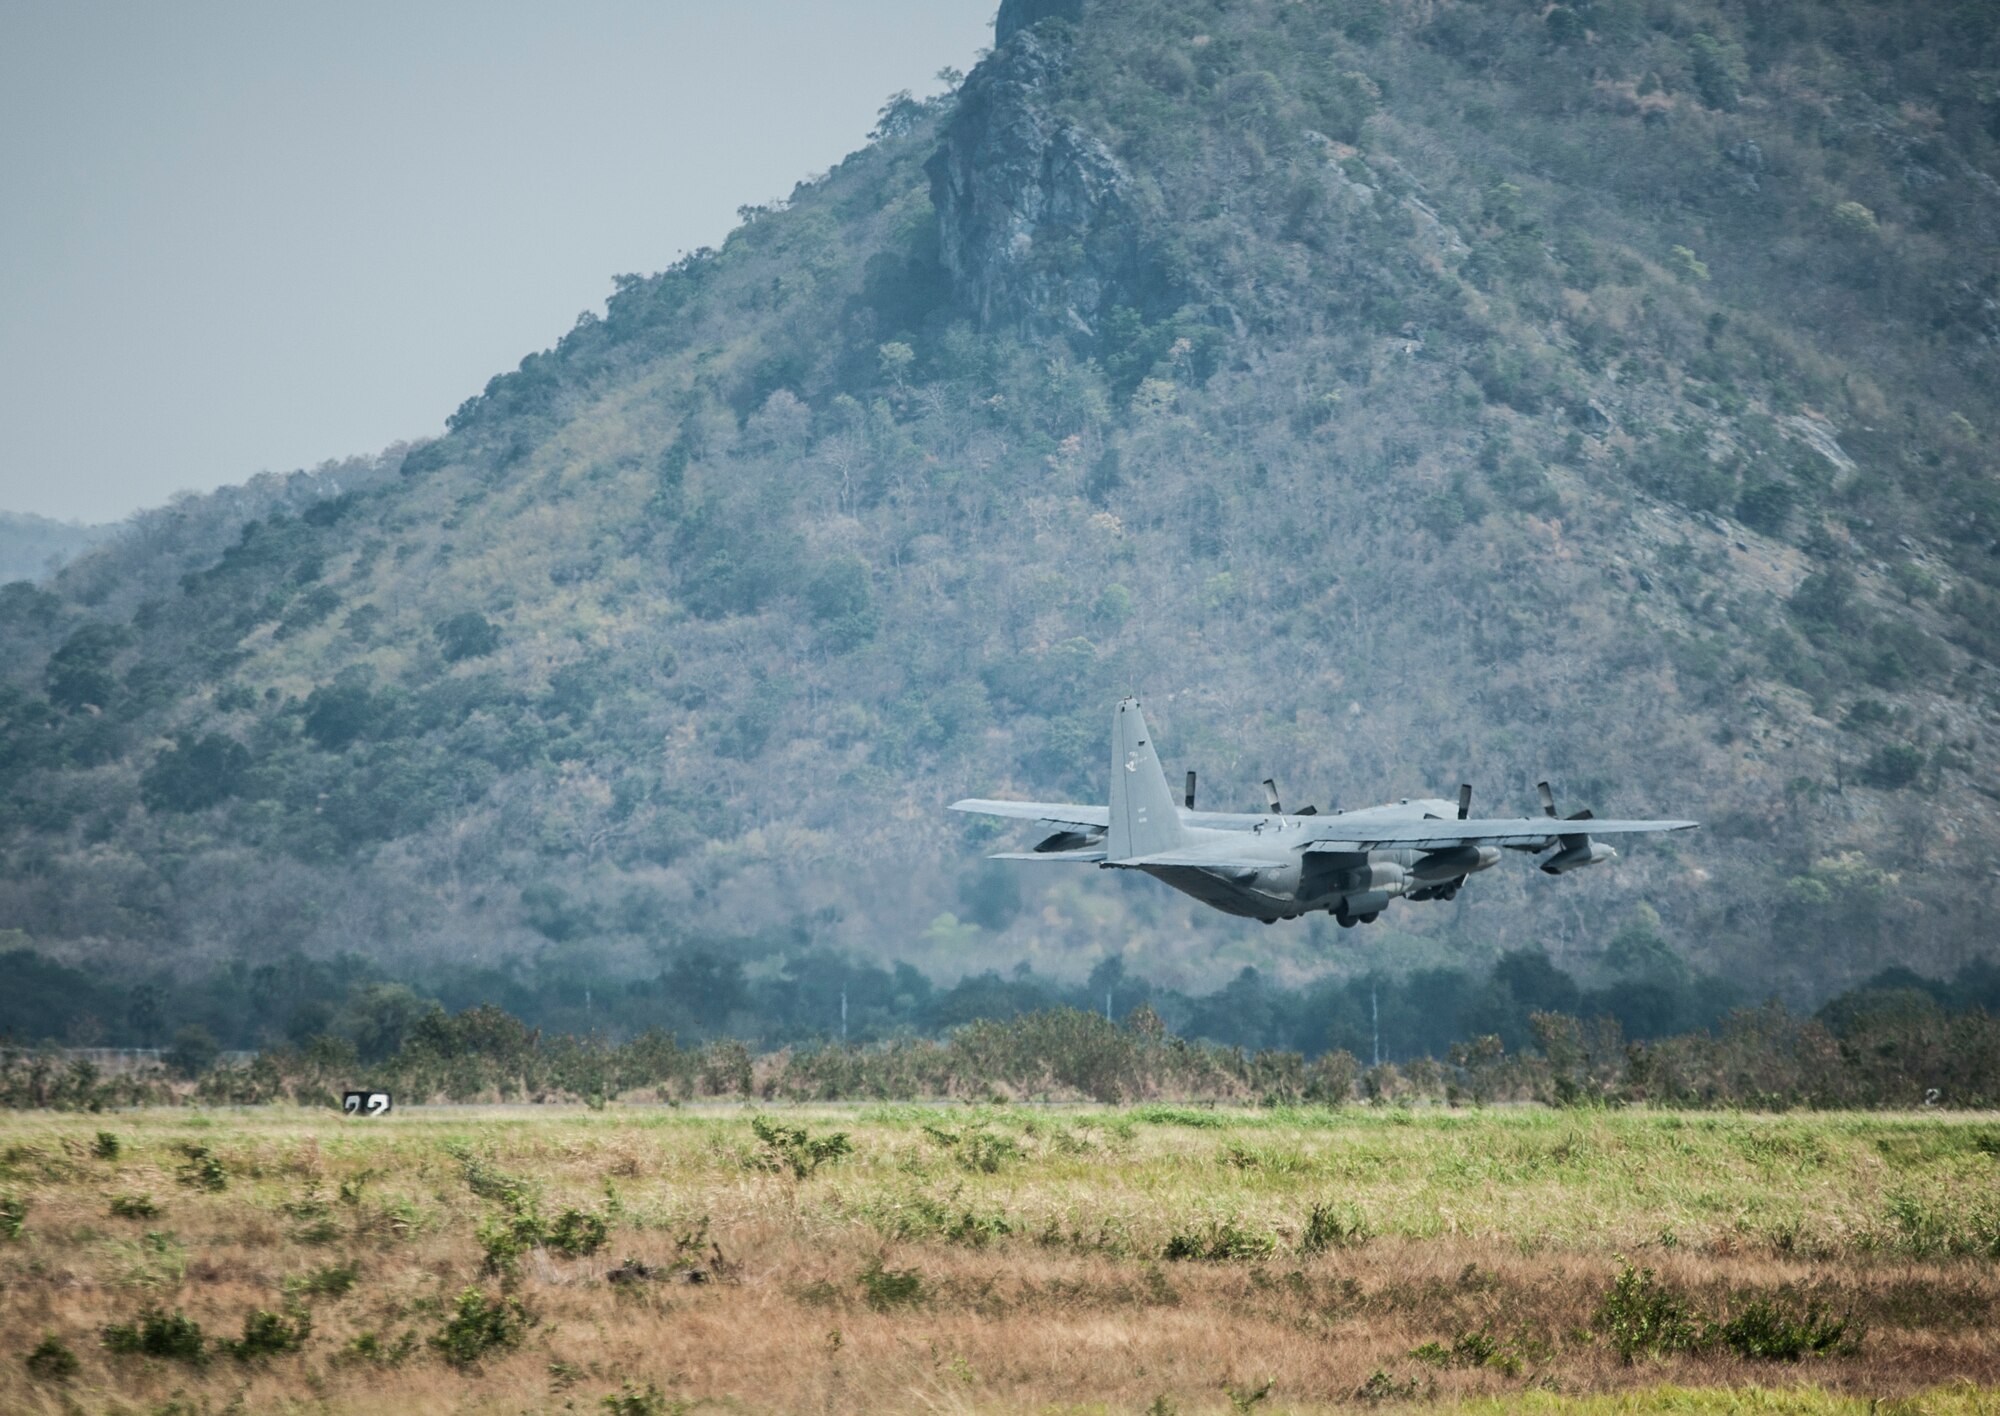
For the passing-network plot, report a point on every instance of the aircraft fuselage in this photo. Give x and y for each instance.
(1348, 884)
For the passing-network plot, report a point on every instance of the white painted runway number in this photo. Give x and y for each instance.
(365, 1103)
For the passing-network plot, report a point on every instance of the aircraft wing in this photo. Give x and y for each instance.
(1098, 818)
(1504, 831)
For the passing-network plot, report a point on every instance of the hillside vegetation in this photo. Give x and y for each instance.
(1393, 394)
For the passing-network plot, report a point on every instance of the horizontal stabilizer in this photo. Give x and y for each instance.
(1090, 857)
(1056, 813)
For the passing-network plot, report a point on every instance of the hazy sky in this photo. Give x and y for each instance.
(248, 236)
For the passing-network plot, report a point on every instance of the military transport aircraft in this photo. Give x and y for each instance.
(1280, 865)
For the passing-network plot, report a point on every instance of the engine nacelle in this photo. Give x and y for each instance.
(1441, 866)
(1385, 877)
(1368, 902)
(1576, 857)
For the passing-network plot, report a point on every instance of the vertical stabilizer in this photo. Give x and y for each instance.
(1144, 820)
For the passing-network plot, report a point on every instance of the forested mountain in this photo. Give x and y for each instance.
(1393, 394)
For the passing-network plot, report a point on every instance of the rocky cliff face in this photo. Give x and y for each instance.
(1033, 216)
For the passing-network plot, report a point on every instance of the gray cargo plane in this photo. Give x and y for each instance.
(1280, 865)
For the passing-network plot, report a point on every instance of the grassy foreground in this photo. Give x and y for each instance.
(644, 1261)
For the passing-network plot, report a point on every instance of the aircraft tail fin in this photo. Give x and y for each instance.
(1144, 818)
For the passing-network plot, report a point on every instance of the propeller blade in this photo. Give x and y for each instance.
(1188, 797)
(1548, 796)
(1271, 796)
(1464, 800)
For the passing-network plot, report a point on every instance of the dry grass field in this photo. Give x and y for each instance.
(997, 1260)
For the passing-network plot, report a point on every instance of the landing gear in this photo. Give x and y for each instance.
(1346, 921)
(1371, 916)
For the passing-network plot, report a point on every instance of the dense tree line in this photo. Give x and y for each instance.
(733, 988)
(351, 1017)
(1893, 1045)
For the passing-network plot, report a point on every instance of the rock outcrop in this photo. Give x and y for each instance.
(1033, 219)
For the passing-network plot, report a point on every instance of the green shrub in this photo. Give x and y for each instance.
(1159, 1115)
(1765, 506)
(134, 1207)
(202, 1170)
(195, 774)
(1219, 1240)
(326, 1281)
(1893, 766)
(790, 1149)
(1347, 102)
(369, 1347)
(886, 1288)
(1768, 1331)
(976, 1230)
(1246, 1398)
(1468, 1350)
(838, 597)
(1642, 1315)
(13, 1216)
(1867, 713)
(1328, 1227)
(174, 1336)
(340, 713)
(267, 1334)
(577, 1232)
(1718, 70)
(469, 635)
(489, 1182)
(977, 1148)
(505, 1238)
(1380, 1386)
(630, 1400)
(478, 1325)
(318, 1231)
(1931, 1225)
(105, 1147)
(51, 1361)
